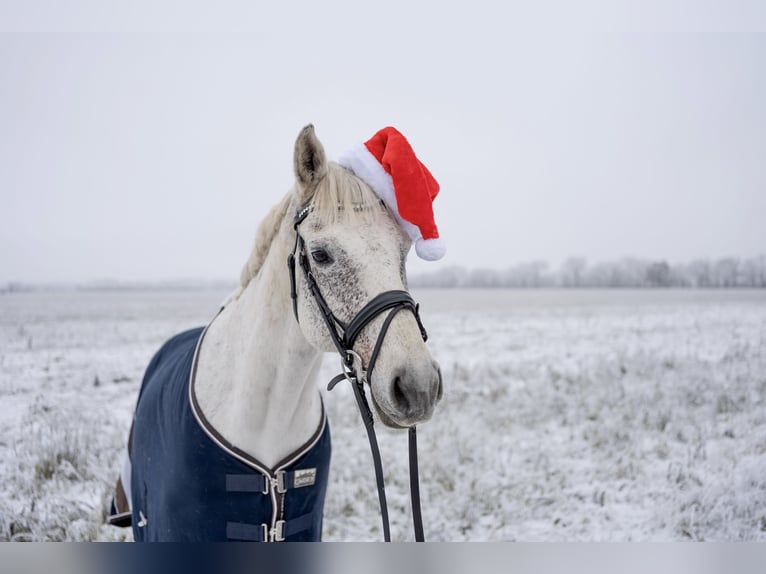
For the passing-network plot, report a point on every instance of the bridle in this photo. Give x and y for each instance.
(344, 335)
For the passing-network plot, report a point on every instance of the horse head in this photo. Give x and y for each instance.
(354, 250)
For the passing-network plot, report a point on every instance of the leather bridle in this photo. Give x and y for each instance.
(344, 335)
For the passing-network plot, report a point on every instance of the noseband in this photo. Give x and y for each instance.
(344, 335)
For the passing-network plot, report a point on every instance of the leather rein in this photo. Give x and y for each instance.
(344, 336)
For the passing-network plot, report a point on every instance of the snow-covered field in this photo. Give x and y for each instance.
(568, 415)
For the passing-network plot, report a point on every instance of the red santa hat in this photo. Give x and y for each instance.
(387, 163)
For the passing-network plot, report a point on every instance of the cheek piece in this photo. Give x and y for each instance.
(344, 335)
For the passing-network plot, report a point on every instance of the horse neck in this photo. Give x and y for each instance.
(256, 374)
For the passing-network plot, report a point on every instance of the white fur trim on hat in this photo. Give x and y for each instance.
(359, 160)
(364, 165)
(430, 249)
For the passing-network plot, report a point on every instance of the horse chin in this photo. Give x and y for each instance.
(386, 418)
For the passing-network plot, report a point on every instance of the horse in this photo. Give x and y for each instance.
(230, 439)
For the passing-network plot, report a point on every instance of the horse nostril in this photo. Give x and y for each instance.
(400, 397)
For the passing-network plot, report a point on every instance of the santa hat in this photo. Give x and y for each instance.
(387, 163)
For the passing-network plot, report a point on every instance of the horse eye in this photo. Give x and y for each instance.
(321, 256)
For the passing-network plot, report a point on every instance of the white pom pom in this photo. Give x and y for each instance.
(430, 249)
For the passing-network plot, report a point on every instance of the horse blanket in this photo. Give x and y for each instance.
(185, 482)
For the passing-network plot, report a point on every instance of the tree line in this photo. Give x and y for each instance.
(628, 273)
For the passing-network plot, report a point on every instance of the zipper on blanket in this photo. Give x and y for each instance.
(275, 488)
(273, 534)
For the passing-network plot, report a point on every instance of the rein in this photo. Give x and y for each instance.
(344, 336)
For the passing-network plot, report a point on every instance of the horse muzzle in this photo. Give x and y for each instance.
(408, 395)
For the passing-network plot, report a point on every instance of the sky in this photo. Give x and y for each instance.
(147, 144)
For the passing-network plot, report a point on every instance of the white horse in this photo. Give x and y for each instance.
(253, 382)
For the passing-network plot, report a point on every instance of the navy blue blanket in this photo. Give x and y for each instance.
(189, 484)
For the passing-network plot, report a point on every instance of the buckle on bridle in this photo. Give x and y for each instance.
(349, 373)
(348, 363)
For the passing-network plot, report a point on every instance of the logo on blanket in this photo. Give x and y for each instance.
(305, 477)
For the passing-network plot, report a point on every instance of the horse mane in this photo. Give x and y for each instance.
(338, 197)
(264, 236)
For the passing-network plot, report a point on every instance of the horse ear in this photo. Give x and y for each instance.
(309, 162)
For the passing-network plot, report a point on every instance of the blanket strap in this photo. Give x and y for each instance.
(259, 483)
(262, 533)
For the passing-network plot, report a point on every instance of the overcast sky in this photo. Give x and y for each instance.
(154, 156)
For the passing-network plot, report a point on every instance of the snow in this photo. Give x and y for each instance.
(567, 415)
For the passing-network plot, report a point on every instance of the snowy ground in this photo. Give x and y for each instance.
(568, 415)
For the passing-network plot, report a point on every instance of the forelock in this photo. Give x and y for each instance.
(341, 196)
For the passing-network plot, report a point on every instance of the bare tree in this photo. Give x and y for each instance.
(627, 272)
(572, 272)
(658, 274)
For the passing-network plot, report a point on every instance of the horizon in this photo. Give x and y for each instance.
(552, 276)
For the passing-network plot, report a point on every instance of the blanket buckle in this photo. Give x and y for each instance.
(278, 532)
